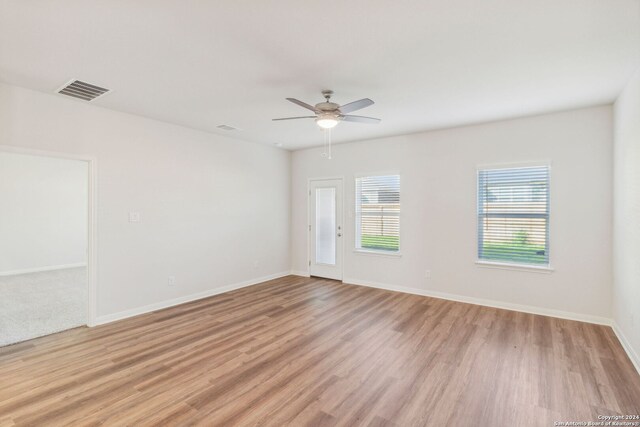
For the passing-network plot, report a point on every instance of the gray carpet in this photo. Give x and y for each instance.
(37, 304)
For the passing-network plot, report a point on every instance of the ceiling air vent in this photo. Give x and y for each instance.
(226, 127)
(82, 90)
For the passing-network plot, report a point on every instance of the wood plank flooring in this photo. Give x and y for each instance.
(299, 351)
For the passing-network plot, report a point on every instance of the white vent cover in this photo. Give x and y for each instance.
(82, 90)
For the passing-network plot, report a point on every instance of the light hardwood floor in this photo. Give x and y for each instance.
(300, 351)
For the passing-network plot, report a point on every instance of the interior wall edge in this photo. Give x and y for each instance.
(626, 344)
(300, 273)
(626, 233)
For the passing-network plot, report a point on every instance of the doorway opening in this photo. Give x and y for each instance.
(45, 238)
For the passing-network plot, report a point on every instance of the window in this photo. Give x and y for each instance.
(378, 213)
(513, 215)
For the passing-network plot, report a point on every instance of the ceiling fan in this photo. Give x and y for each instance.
(328, 114)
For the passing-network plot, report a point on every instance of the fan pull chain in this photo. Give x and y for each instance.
(324, 142)
(326, 145)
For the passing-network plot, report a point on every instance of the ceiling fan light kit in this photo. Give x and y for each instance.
(328, 114)
(327, 121)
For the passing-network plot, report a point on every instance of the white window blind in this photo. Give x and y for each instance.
(513, 215)
(378, 213)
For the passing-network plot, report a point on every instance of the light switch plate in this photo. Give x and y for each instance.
(134, 216)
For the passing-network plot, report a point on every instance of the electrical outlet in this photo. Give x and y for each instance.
(171, 281)
(427, 274)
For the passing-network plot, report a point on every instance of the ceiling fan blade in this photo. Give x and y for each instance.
(356, 105)
(303, 104)
(293, 118)
(360, 119)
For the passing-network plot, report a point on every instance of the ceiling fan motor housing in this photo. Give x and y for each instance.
(328, 114)
(327, 106)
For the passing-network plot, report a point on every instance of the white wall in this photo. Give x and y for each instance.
(43, 214)
(438, 197)
(214, 207)
(215, 211)
(626, 250)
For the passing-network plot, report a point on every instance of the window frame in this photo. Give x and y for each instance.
(514, 265)
(357, 229)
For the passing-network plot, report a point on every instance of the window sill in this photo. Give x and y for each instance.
(377, 253)
(546, 269)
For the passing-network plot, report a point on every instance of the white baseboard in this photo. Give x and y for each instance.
(108, 318)
(40, 269)
(635, 358)
(485, 302)
(300, 273)
(626, 345)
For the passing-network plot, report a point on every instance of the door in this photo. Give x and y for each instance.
(325, 228)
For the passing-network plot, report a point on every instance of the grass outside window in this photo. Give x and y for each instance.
(380, 243)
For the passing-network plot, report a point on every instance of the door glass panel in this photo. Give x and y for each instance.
(326, 226)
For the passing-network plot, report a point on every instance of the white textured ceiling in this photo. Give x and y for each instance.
(426, 63)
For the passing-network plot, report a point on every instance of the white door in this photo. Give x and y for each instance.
(325, 228)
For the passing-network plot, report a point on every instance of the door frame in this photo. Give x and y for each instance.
(92, 218)
(340, 245)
